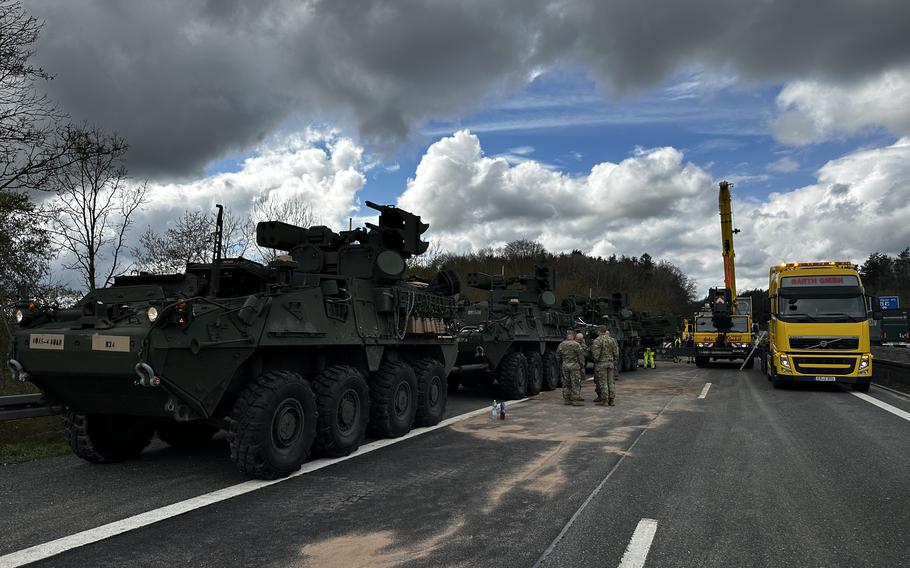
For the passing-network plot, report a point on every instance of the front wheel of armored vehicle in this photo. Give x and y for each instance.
(551, 378)
(513, 379)
(432, 393)
(105, 438)
(393, 400)
(535, 373)
(273, 425)
(185, 435)
(343, 405)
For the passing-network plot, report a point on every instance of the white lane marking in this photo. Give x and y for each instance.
(600, 486)
(883, 405)
(704, 391)
(637, 551)
(60, 545)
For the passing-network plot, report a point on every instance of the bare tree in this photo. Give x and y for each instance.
(523, 249)
(293, 210)
(94, 207)
(188, 240)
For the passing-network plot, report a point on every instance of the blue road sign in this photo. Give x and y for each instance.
(889, 302)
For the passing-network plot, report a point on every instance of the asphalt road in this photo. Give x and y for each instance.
(746, 476)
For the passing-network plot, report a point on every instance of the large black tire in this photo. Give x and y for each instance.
(105, 438)
(185, 435)
(273, 425)
(552, 378)
(701, 361)
(343, 410)
(535, 373)
(513, 378)
(861, 387)
(750, 363)
(432, 392)
(393, 400)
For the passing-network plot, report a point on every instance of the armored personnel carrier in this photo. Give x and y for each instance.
(303, 355)
(511, 337)
(613, 313)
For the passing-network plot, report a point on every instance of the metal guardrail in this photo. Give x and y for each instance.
(20, 406)
(892, 374)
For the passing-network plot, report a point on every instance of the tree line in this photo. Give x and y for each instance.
(653, 287)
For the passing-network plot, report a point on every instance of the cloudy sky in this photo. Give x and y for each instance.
(590, 124)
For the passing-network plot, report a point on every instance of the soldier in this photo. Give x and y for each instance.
(605, 352)
(572, 357)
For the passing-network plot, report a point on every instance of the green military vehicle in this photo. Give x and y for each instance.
(511, 337)
(613, 313)
(303, 355)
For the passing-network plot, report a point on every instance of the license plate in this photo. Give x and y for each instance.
(825, 379)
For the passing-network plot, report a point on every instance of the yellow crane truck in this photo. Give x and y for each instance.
(819, 328)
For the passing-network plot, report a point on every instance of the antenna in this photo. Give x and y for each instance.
(216, 253)
(350, 223)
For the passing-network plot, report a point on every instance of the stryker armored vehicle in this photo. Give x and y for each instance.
(614, 313)
(305, 354)
(511, 338)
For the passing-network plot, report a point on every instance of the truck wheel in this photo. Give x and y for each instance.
(750, 363)
(105, 438)
(535, 373)
(431, 392)
(343, 410)
(861, 387)
(185, 435)
(273, 424)
(701, 361)
(513, 381)
(393, 400)
(551, 375)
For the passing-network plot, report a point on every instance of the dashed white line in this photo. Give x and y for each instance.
(704, 391)
(883, 405)
(60, 545)
(637, 551)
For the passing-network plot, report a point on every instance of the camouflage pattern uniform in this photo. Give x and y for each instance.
(572, 356)
(604, 351)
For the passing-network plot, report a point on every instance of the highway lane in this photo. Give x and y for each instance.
(746, 476)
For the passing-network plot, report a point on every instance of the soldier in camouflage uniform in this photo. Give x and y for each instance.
(604, 351)
(572, 357)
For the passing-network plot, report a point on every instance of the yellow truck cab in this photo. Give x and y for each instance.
(713, 345)
(819, 328)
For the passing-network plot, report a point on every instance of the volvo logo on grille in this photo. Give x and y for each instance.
(823, 344)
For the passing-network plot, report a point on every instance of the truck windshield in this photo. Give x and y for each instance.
(832, 309)
(703, 324)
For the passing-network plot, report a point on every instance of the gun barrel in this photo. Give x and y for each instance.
(278, 235)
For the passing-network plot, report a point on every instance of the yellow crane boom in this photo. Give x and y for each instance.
(726, 233)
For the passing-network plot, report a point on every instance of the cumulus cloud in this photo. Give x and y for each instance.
(187, 82)
(656, 202)
(815, 110)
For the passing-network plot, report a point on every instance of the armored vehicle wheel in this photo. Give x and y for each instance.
(551, 375)
(431, 392)
(624, 361)
(393, 400)
(343, 408)
(273, 425)
(535, 373)
(105, 438)
(513, 379)
(185, 435)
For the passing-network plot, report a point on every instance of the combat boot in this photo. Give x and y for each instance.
(599, 399)
(611, 402)
(602, 402)
(578, 399)
(577, 402)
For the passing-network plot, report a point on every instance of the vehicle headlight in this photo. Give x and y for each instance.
(152, 314)
(19, 316)
(863, 362)
(785, 361)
